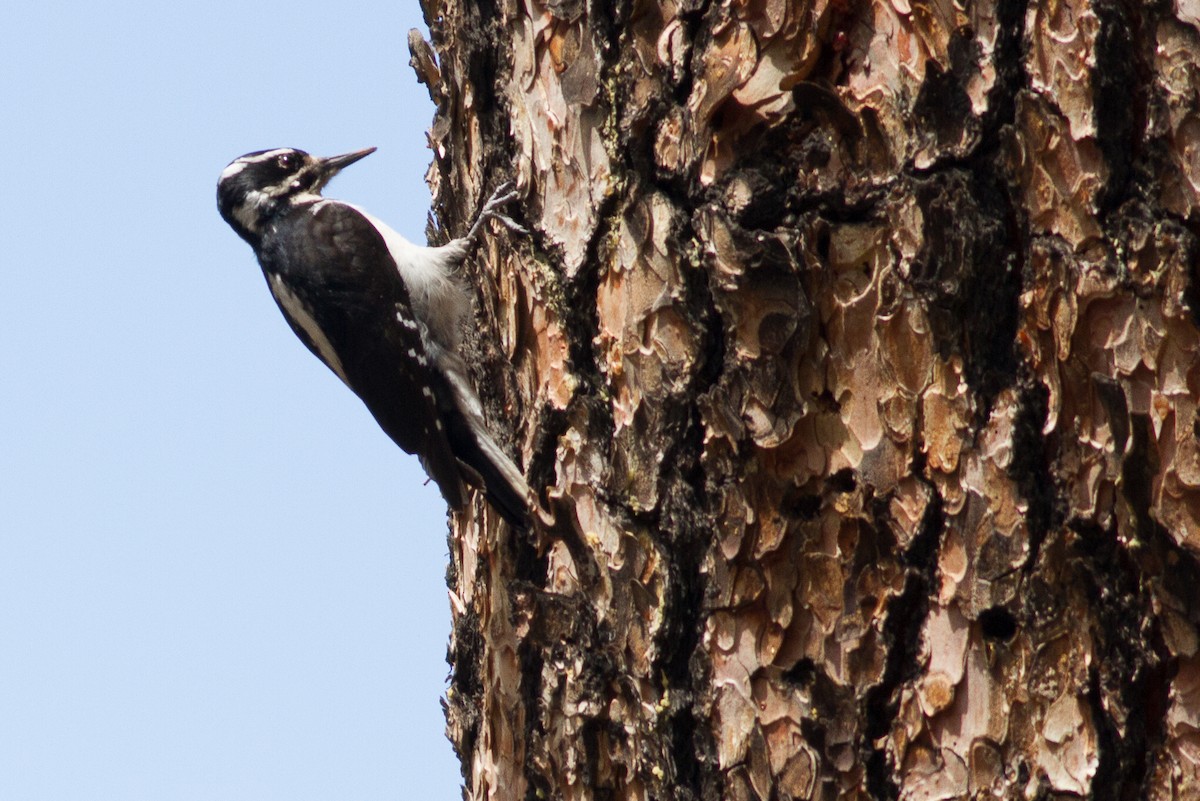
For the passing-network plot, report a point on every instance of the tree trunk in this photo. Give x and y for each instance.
(855, 348)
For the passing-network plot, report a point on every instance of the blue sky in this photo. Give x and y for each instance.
(218, 578)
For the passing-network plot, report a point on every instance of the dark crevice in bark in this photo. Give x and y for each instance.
(1106, 783)
(468, 648)
(688, 772)
(600, 678)
(969, 272)
(1032, 460)
(800, 505)
(971, 263)
(1140, 466)
(528, 564)
(805, 143)
(551, 423)
(1119, 105)
(690, 20)
(680, 484)
(580, 312)
(487, 10)
(836, 206)
(563, 629)
(943, 106)
(1128, 684)
(590, 735)
(464, 659)
(902, 627)
(686, 515)
(1191, 292)
(713, 344)
(580, 315)
(1179, 571)
(943, 103)
(1177, 568)
(680, 662)
(682, 524)
(530, 659)
(678, 640)
(1011, 77)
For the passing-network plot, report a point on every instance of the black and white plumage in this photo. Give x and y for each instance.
(383, 314)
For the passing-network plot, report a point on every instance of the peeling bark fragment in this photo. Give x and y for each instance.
(560, 151)
(1060, 61)
(1060, 176)
(1178, 78)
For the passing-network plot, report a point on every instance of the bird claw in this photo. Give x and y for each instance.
(509, 223)
(499, 200)
(505, 193)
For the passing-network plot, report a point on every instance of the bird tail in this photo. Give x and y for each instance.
(486, 465)
(501, 481)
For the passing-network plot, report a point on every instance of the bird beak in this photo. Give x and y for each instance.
(334, 164)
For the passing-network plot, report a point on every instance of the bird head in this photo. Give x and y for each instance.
(257, 186)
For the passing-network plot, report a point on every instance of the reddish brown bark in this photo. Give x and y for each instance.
(856, 349)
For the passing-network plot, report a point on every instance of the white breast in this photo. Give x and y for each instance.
(429, 274)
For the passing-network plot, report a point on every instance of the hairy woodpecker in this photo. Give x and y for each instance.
(383, 314)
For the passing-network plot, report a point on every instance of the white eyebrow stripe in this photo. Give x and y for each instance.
(233, 169)
(264, 156)
(245, 161)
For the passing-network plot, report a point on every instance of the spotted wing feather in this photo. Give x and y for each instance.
(334, 279)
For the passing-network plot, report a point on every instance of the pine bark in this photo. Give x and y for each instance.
(856, 349)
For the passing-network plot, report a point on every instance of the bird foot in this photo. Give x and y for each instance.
(505, 193)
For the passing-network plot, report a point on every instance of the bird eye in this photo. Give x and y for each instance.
(287, 161)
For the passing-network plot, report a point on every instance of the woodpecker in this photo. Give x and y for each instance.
(385, 315)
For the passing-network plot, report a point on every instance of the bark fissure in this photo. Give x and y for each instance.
(970, 271)
(1031, 468)
(902, 627)
(1012, 77)
(1120, 107)
(1129, 670)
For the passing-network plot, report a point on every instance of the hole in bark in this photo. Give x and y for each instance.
(842, 481)
(997, 623)
(801, 674)
(800, 505)
(823, 242)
